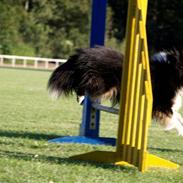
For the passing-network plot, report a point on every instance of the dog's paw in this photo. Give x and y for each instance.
(80, 99)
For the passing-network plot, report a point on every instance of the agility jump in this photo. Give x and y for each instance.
(136, 100)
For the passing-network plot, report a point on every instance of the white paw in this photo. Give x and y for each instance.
(80, 99)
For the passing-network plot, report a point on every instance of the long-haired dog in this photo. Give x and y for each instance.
(97, 72)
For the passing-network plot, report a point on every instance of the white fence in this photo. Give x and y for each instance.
(29, 62)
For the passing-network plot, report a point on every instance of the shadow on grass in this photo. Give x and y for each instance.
(165, 149)
(44, 136)
(58, 160)
(29, 135)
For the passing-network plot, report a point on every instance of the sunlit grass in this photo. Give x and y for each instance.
(29, 118)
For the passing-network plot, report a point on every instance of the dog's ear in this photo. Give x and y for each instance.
(173, 57)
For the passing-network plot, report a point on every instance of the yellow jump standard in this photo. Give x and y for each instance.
(136, 100)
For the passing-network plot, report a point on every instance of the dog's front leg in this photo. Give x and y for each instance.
(175, 122)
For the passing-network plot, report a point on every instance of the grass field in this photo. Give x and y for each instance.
(29, 118)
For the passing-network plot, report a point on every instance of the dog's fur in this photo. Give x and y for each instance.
(97, 72)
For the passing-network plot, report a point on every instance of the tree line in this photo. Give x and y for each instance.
(56, 28)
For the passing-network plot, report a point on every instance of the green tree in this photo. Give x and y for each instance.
(49, 28)
(56, 28)
(164, 22)
(8, 27)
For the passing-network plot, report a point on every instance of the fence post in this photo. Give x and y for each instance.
(46, 64)
(24, 63)
(13, 62)
(1, 61)
(36, 64)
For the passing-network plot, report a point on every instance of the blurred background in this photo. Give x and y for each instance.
(55, 28)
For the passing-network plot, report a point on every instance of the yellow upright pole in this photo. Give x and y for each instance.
(136, 93)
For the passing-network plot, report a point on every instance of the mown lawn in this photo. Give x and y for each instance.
(29, 118)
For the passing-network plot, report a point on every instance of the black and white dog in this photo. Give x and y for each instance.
(97, 72)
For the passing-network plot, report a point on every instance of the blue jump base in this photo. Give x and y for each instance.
(85, 140)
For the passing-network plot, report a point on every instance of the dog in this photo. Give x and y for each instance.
(97, 72)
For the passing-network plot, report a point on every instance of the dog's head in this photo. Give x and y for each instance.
(172, 61)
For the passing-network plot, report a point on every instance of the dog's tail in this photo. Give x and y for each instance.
(76, 76)
(62, 80)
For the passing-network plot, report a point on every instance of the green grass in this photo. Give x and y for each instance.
(29, 118)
